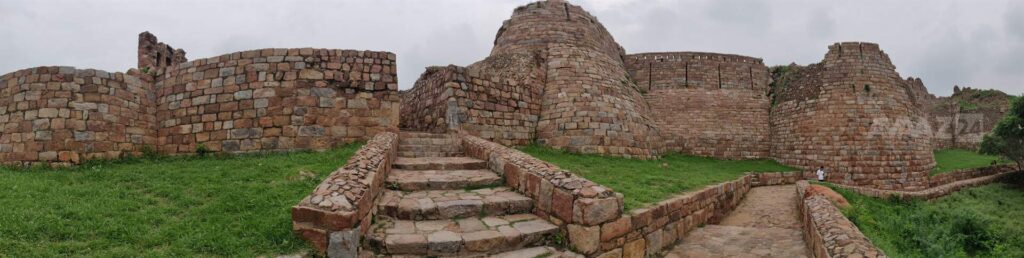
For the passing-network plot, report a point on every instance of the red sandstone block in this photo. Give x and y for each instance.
(562, 205)
(318, 237)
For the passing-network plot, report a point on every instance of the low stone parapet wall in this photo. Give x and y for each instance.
(929, 193)
(592, 215)
(339, 211)
(827, 232)
(779, 178)
(963, 174)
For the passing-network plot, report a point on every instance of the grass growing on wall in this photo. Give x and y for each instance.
(645, 182)
(949, 160)
(975, 222)
(168, 207)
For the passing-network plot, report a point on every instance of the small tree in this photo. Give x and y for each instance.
(1007, 138)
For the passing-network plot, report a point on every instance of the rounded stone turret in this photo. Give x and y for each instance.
(854, 115)
(536, 25)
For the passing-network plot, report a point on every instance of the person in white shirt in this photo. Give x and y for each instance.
(821, 174)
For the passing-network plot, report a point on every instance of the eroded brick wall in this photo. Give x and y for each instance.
(276, 99)
(63, 115)
(706, 104)
(853, 114)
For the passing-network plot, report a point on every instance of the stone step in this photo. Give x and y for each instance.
(407, 134)
(438, 163)
(419, 180)
(429, 141)
(487, 235)
(424, 148)
(537, 251)
(452, 204)
(422, 154)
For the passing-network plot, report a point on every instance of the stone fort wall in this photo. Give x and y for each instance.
(276, 99)
(854, 115)
(66, 115)
(258, 100)
(706, 104)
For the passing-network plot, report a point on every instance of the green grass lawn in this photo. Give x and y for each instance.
(645, 182)
(976, 222)
(948, 160)
(163, 207)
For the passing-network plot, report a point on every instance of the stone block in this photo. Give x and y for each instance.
(344, 243)
(584, 239)
(594, 211)
(616, 228)
(635, 249)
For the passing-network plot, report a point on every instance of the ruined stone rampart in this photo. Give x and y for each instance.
(457, 98)
(706, 104)
(555, 75)
(276, 99)
(157, 56)
(854, 115)
(258, 100)
(63, 115)
(961, 120)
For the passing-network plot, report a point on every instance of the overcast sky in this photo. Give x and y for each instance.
(977, 43)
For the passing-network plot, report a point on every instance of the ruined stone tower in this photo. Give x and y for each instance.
(574, 92)
(854, 115)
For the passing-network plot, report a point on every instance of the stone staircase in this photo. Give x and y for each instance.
(442, 203)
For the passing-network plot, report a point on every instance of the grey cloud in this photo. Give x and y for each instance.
(946, 42)
(821, 24)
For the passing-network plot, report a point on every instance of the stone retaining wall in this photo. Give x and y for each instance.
(592, 215)
(339, 211)
(827, 232)
(987, 176)
(964, 174)
(63, 115)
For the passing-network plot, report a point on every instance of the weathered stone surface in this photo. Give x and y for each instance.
(593, 211)
(406, 243)
(635, 249)
(344, 243)
(584, 239)
(444, 242)
(443, 204)
(414, 180)
(483, 241)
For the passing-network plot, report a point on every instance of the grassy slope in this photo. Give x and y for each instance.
(171, 207)
(646, 181)
(979, 222)
(952, 159)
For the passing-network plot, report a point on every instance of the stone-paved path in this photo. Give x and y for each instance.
(766, 224)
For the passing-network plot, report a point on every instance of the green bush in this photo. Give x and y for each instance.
(976, 222)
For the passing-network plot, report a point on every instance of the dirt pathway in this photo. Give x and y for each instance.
(765, 224)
